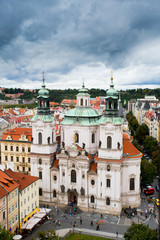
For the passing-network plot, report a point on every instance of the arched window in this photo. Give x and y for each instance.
(109, 142)
(132, 184)
(93, 138)
(39, 138)
(86, 102)
(110, 105)
(52, 137)
(40, 175)
(82, 191)
(118, 145)
(40, 161)
(81, 101)
(76, 138)
(40, 191)
(73, 176)
(108, 183)
(92, 199)
(54, 193)
(107, 201)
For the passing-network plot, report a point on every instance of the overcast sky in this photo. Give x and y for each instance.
(76, 40)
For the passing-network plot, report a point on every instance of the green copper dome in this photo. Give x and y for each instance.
(83, 90)
(43, 92)
(83, 112)
(111, 92)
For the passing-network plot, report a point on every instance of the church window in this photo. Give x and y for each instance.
(40, 161)
(63, 174)
(86, 102)
(132, 184)
(73, 165)
(110, 105)
(108, 183)
(73, 176)
(48, 140)
(40, 191)
(83, 176)
(82, 191)
(93, 138)
(109, 142)
(92, 182)
(62, 188)
(81, 101)
(107, 201)
(76, 138)
(92, 199)
(55, 178)
(54, 194)
(115, 105)
(118, 145)
(108, 168)
(52, 137)
(40, 175)
(39, 138)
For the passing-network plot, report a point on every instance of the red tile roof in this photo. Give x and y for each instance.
(8, 183)
(56, 163)
(130, 150)
(93, 167)
(22, 179)
(3, 192)
(17, 132)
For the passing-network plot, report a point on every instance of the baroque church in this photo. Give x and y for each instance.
(97, 167)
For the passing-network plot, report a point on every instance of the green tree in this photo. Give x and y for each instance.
(50, 235)
(141, 133)
(150, 144)
(136, 144)
(156, 158)
(140, 232)
(5, 234)
(148, 171)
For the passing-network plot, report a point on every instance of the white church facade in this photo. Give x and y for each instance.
(98, 168)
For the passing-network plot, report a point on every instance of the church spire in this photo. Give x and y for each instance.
(43, 79)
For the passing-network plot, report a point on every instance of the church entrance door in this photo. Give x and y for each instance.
(72, 197)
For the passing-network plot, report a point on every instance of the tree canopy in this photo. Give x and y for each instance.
(150, 144)
(141, 133)
(140, 232)
(50, 235)
(5, 234)
(148, 171)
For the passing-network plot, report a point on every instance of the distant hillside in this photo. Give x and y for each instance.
(57, 95)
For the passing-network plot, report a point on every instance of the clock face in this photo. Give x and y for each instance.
(109, 126)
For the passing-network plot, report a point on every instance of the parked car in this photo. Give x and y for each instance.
(149, 190)
(157, 202)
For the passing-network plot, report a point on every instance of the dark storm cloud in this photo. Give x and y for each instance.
(61, 36)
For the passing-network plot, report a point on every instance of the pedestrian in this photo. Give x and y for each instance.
(97, 228)
(59, 223)
(91, 223)
(146, 215)
(101, 221)
(80, 220)
(80, 230)
(101, 215)
(117, 234)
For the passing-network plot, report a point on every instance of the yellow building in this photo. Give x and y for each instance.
(15, 147)
(28, 194)
(11, 186)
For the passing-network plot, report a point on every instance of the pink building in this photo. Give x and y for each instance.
(3, 207)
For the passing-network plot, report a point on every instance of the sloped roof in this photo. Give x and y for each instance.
(22, 179)
(93, 167)
(3, 192)
(8, 183)
(146, 106)
(17, 132)
(129, 149)
(56, 163)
